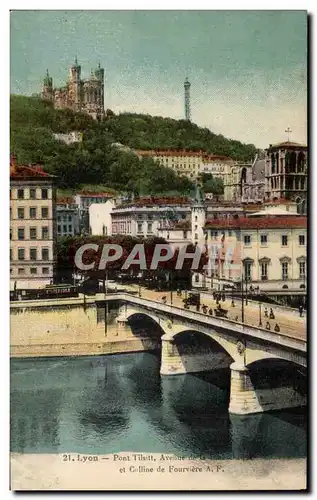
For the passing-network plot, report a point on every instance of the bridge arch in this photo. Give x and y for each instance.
(144, 324)
(278, 372)
(218, 340)
(254, 357)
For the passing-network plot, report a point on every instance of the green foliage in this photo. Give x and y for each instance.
(212, 184)
(95, 161)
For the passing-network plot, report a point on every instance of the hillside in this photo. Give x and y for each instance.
(94, 161)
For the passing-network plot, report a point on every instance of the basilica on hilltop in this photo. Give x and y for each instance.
(85, 95)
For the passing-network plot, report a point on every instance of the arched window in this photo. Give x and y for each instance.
(287, 162)
(272, 163)
(277, 162)
(293, 162)
(300, 162)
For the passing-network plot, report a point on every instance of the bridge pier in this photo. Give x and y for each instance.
(245, 399)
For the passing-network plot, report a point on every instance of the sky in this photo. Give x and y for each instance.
(247, 68)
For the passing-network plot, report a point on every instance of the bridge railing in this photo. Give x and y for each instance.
(283, 339)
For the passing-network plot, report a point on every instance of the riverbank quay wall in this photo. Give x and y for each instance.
(70, 327)
(65, 327)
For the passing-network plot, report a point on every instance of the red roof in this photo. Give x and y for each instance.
(64, 200)
(23, 171)
(265, 222)
(94, 195)
(157, 152)
(280, 201)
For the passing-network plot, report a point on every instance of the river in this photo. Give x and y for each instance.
(107, 404)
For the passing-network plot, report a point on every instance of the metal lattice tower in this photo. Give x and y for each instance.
(187, 99)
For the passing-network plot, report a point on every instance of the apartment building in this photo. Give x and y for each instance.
(186, 163)
(267, 248)
(32, 227)
(145, 216)
(217, 166)
(67, 218)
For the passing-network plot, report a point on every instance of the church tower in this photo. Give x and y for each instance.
(198, 215)
(47, 90)
(286, 173)
(75, 85)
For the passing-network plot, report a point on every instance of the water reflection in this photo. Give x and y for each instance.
(121, 403)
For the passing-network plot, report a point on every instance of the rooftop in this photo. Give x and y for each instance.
(287, 144)
(265, 222)
(27, 171)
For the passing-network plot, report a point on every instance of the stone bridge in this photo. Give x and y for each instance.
(190, 342)
(246, 349)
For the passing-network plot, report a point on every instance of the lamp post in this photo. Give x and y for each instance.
(105, 284)
(246, 287)
(242, 299)
(260, 305)
(171, 290)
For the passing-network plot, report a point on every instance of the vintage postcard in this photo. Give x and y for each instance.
(158, 250)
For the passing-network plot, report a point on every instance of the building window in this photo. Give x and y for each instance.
(196, 278)
(33, 254)
(20, 194)
(302, 270)
(70, 228)
(11, 254)
(33, 213)
(196, 236)
(44, 194)
(20, 213)
(247, 270)
(284, 240)
(44, 213)
(64, 228)
(264, 271)
(58, 218)
(45, 254)
(33, 270)
(58, 228)
(301, 239)
(149, 227)
(284, 270)
(33, 234)
(185, 235)
(139, 227)
(263, 239)
(196, 218)
(20, 233)
(45, 270)
(247, 240)
(45, 233)
(69, 218)
(20, 253)
(21, 270)
(32, 194)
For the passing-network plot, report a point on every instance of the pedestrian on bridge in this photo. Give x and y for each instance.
(301, 309)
